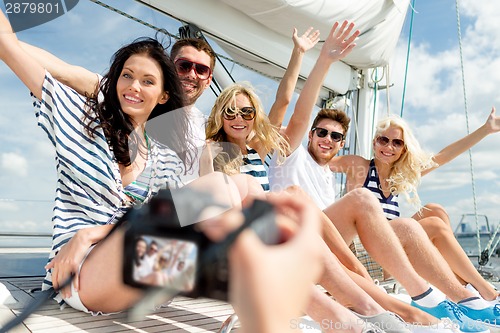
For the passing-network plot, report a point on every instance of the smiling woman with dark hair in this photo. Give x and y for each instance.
(105, 162)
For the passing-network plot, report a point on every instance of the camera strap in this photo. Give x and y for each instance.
(38, 301)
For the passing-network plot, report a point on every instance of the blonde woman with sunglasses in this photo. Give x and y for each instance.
(396, 169)
(239, 121)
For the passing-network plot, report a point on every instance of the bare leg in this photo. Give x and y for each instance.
(249, 188)
(342, 287)
(359, 212)
(409, 313)
(336, 244)
(332, 238)
(427, 260)
(101, 278)
(332, 316)
(436, 224)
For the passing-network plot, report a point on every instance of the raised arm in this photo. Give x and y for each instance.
(287, 85)
(76, 77)
(21, 63)
(338, 44)
(447, 154)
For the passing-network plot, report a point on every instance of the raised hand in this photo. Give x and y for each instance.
(21, 63)
(340, 41)
(307, 41)
(493, 122)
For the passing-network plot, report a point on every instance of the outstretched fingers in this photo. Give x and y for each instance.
(307, 40)
(313, 36)
(341, 39)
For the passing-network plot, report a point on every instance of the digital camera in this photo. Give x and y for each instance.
(182, 258)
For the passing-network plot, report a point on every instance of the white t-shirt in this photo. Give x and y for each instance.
(301, 169)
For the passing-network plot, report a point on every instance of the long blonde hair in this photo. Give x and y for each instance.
(406, 172)
(263, 131)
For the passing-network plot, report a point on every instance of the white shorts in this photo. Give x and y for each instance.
(74, 300)
(76, 303)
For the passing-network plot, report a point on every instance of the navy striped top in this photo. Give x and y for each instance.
(390, 205)
(138, 190)
(253, 166)
(89, 189)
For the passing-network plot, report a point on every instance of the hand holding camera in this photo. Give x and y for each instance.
(270, 285)
(188, 262)
(270, 256)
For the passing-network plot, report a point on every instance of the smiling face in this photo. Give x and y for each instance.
(324, 149)
(390, 152)
(193, 86)
(238, 129)
(140, 87)
(140, 248)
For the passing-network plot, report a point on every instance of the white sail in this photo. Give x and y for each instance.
(257, 33)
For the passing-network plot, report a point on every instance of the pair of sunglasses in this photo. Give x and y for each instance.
(185, 66)
(247, 113)
(322, 132)
(385, 141)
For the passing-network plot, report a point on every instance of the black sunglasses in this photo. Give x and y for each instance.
(322, 132)
(185, 66)
(247, 113)
(384, 141)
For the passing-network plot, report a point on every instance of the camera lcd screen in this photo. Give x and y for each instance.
(165, 262)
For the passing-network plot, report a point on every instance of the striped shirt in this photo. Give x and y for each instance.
(390, 205)
(138, 190)
(89, 189)
(253, 166)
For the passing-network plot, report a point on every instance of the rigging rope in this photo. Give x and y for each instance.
(102, 4)
(457, 7)
(135, 19)
(388, 88)
(410, 33)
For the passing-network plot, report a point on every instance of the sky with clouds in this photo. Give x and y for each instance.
(434, 99)
(434, 103)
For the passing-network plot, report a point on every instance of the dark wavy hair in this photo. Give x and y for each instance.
(137, 259)
(117, 125)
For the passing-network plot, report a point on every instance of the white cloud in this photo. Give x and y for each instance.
(8, 206)
(434, 105)
(14, 163)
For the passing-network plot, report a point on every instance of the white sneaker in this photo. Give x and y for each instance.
(444, 326)
(387, 321)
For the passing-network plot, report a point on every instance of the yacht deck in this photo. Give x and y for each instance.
(182, 315)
